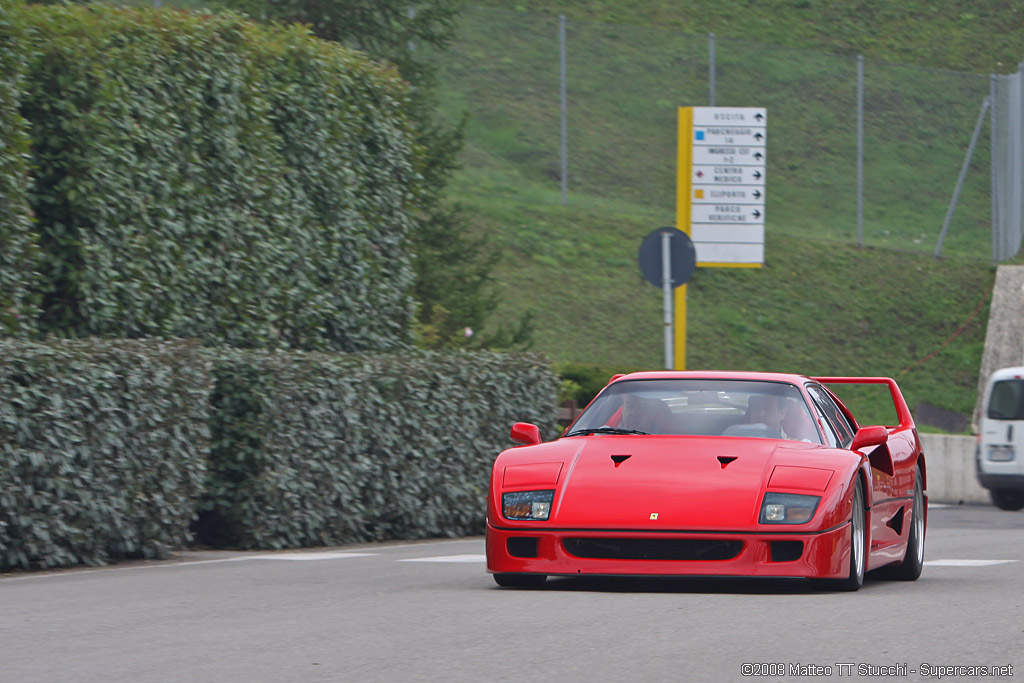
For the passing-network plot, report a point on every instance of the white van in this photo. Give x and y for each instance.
(1000, 456)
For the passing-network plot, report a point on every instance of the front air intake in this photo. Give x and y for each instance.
(786, 551)
(652, 548)
(522, 546)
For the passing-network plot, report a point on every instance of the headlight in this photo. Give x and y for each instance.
(787, 508)
(527, 504)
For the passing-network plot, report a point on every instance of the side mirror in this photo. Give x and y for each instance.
(525, 433)
(869, 436)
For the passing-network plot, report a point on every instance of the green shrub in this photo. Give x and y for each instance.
(18, 266)
(102, 449)
(583, 381)
(202, 176)
(315, 449)
(111, 449)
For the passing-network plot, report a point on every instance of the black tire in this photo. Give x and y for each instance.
(858, 546)
(913, 561)
(520, 580)
(1007, 499)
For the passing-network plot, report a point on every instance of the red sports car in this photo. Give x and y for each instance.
(712, 474)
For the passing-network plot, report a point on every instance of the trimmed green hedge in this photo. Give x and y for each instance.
(112, 449)
(312, 449)
(202, 176)
(103, 449)
(18, 266)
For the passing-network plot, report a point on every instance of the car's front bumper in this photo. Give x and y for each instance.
(782, 554)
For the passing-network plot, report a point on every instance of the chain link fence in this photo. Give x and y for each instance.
(859, 151)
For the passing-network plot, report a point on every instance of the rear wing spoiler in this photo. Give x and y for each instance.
(902, 410)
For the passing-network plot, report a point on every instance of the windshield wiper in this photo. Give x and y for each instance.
(603, 430)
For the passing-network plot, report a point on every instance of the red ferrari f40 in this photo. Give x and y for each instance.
(738, 474)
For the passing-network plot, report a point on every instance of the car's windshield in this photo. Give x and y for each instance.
(709, 407)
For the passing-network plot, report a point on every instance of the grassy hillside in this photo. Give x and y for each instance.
(820, 305)
(625, 84)
(814, 308)
(965, 35)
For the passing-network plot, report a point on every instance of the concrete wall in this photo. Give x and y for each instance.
(951, 471)
(1004, 335)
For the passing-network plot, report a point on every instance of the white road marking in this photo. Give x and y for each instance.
(75, 571)
(965, 563)
(306, 557)
(448, 558)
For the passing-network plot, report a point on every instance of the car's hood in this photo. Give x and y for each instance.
(665, 483)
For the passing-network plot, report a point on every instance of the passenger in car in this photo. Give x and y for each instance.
(797, 424)
(763, 418)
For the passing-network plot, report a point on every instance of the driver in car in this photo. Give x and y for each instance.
(769, 411)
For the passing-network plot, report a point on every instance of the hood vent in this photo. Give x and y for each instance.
(726, 459)
(619, 459)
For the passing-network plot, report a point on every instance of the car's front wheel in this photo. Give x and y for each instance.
(913, 561)
(520, 580)
(858, 544)
(1007, 499)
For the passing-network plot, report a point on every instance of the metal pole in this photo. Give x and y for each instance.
(860, 150)
(565, 108)
(994, 172)
(1012, 174)
(1010, 241)
(1022, 347)
(711, 67)
(963, 174)
(666, 287)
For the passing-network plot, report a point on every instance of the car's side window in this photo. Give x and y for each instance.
(833, 416)
(831, 438)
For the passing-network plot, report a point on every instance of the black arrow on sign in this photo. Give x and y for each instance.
(758, 137)
(757, 194)
(757, 175)
(758, 156)
(758, 116)
(757, 214)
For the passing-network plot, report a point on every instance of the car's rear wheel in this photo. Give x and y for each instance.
(520, 580)
(913, 562)
(1007, 499)
(858, 544)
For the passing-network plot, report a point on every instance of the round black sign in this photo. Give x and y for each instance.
(683, 256)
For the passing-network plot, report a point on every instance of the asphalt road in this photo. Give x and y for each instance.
(428, 612)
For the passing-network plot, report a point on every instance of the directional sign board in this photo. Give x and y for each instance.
(722, 160)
